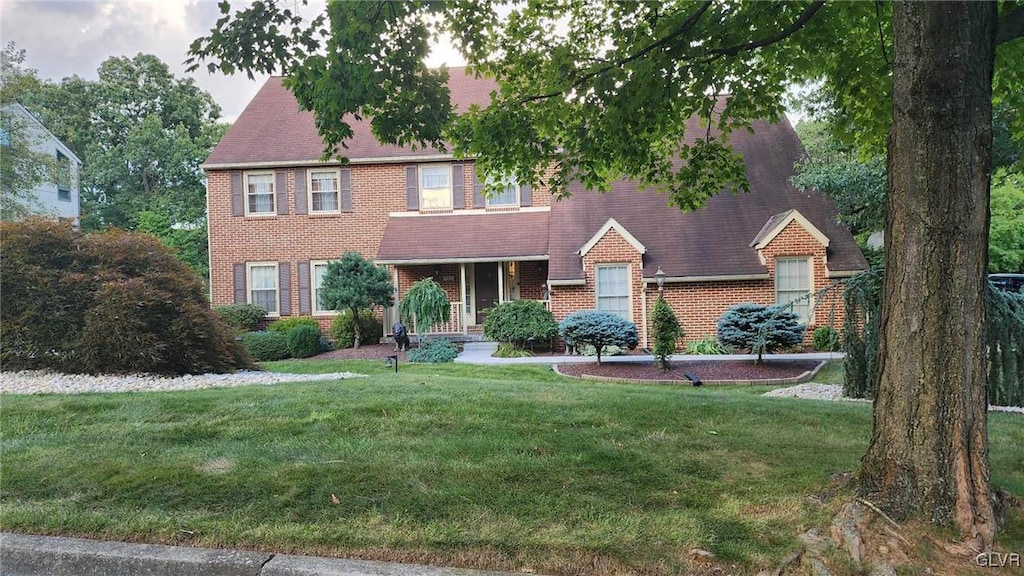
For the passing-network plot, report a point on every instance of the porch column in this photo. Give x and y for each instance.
(501, 282)
(463, 298)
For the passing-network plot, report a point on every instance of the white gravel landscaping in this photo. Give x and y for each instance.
(41, 382)
(815, 391)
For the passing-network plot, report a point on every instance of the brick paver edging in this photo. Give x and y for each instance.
(768, 382)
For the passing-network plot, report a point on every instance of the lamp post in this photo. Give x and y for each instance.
(660, 277)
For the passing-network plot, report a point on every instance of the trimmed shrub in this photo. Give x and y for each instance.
(706, 346)
(518, 321)
(344, 335)
(760, 329)
(303, 341)
(598, 329)
(105, 303)
(825, 339)
(244, 317)
(286, 325)
(666, 331)
(434, 351)
(267, 346)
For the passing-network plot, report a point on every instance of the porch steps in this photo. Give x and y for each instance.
(483, 347)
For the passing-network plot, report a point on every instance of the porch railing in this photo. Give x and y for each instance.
(454, 325)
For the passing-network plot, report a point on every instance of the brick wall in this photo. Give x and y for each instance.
(698, 305)
(376, 191)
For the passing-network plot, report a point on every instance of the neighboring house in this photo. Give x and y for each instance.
(61, 198)
(277, 214)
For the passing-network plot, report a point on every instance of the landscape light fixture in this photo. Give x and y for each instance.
(390, 361)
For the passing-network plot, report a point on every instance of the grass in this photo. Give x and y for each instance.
(502, 467)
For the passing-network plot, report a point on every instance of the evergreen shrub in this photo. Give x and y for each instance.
(759, 329)
(343, 334)
(598, 329)
(286, 325)
(825, 339)
(267, 346)
(244, 317)
(666, 332)
(303, 341)
(517, 321)
(434, 351)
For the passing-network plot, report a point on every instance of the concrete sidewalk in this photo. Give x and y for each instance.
(22, 555)
(480, 353)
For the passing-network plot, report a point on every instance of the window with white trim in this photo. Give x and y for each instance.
(259, 193)
(505, 194)
(262, 284)
(613, 289)
(793, 284)
(436, 187)
(319, 268)
(324, 191)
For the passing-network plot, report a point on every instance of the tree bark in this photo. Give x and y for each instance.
(929, 457)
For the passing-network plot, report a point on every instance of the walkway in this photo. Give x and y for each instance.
(480, 353)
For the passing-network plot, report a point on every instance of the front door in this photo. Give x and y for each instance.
(485, 284)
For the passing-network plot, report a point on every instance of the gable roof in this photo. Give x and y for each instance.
(714, 241)
(777, 223)
(17, 108)
(274, 131)
(611, 224)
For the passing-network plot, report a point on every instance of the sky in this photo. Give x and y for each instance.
(63, 38)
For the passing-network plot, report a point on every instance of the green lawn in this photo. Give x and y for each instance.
(506, 468)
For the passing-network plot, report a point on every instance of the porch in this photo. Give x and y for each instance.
(473, 288)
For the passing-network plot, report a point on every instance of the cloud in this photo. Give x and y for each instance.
(65, 38)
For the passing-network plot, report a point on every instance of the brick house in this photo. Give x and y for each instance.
(277, 214)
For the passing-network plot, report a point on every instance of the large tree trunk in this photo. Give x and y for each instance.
(929, 451)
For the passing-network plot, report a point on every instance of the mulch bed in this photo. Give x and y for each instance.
(706, 371)
(364, 352)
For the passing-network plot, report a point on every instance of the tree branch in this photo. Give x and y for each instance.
(797, 24)
(786, 32)
(1011, 26)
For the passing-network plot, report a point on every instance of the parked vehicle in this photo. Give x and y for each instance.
(1008, 282)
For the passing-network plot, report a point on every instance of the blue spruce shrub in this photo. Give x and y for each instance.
(760, 329)
(434, 351)
(598, 329)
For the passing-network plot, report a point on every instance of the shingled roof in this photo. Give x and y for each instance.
(273, 131)
(715, 241)
(465, 238)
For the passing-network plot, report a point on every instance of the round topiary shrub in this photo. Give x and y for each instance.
(244, 317)
(518, 321)
(303, 341)
(434, 351)
(598, 329)
(267, 346)
(825, 339)
(370, 329)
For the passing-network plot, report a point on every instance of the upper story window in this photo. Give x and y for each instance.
(793, 284)
(505, 194)
(435, 187)
(63, 177)
(324, 190)
(263, 289)
(259, 193)
(613, 289)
